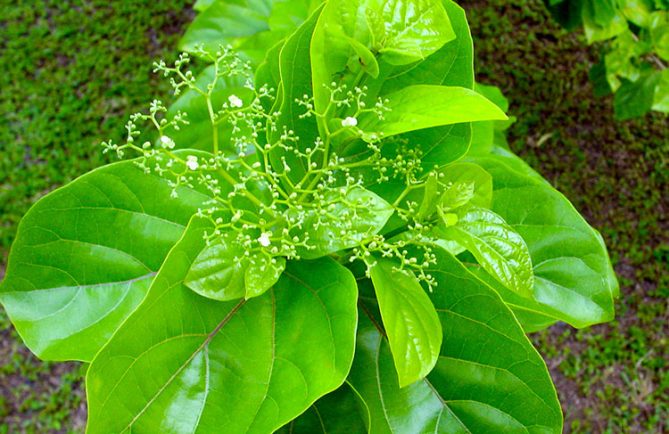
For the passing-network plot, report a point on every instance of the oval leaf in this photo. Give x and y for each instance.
(184, 363)
(358, 212)
(411, 323)
(426, 106)
(499, 249)
(223, 271)
(85, 255)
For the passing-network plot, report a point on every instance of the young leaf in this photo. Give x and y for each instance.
(358, 213)
(224, 271)
(499, 249)
(183, 363)
(451, 65)
(410, 321)
(295, 73)
(426, 106)
(423, 28)
(574, 279)
(488, 379)
(86, 254)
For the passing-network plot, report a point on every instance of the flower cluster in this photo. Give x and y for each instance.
(274, 194)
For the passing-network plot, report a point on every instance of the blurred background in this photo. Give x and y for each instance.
(71, 72)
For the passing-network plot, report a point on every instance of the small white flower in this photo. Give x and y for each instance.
(264, 240)
(191, 162)
(235, 101)
(349, 122)
(167, 142)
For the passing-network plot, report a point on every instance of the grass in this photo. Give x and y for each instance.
(71, 74)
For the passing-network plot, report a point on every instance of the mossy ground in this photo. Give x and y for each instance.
(72, 72)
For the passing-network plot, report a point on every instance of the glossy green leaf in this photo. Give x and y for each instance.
(418, 29)
(410, 321)
(574, 280)
(360, 211)
(469, 178)
(452, 187)
(452, 65)
(295, 74)
(426, 106)
(488, 379)
(602, 20)
(225, 271)
(637, 11)
(86, 254)
(499, 249)
(250, 26)
(397, 31)
(487, 134)
(183, 363)
(335, 413)
(635, 99)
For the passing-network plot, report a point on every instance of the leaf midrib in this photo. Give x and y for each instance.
(183, 366)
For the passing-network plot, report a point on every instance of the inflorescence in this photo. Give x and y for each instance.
(259, 199)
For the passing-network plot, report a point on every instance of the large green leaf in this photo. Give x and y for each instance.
(488, 379)
(574, 280)
(425, 106)
(183, 363)
(499, 249)
(335, 413)
(85, 255)
(410, 321)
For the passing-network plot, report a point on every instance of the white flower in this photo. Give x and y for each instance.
(264, 240)
(349, 122)
(191, 162)
(235, 101)
(167, 142)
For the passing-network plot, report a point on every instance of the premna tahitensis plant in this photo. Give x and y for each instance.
(327, 237)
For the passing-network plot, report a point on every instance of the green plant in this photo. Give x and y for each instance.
(344, 250)
(635, 52)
